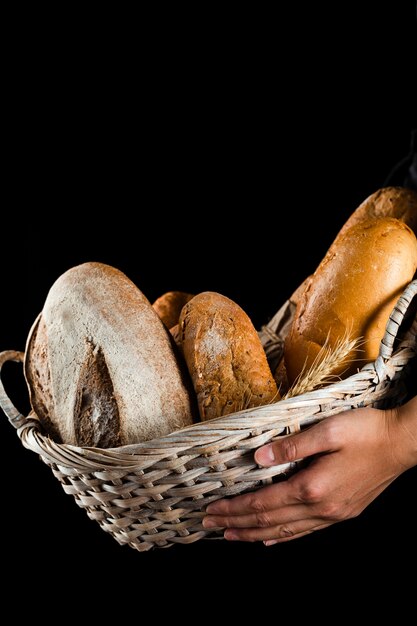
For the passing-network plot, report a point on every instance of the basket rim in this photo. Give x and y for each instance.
(238, 423)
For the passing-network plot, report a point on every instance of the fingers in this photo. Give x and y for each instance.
(261, 519)
(280, 533)
(270, 497)
(272, 542)
(321, 437)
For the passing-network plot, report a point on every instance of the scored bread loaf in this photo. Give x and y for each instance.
(169, 305)
(352, 292)
(224, 356)
(100, 365)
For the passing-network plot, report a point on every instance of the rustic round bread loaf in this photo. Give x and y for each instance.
(224, 356)
(100, 365)
(169, 305)
(352, 292)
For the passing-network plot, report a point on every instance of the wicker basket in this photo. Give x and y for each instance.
(155, 493)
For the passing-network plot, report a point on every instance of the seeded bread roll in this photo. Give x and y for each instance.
(169, 305)
(100, 365)
(352, 292)
(224, 356)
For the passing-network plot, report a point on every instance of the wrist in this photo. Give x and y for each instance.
(404, 425)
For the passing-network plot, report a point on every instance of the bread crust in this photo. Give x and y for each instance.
(397, 202)
(353, 291)
(100, 365)
(224, 355)
(169, 305)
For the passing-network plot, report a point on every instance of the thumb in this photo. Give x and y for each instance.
(294, 447)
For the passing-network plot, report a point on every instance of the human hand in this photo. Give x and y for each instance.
(354, 456)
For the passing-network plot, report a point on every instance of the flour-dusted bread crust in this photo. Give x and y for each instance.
(100, 365)
(397, 202)
(224, 356)
(169, 305)
(353, 291)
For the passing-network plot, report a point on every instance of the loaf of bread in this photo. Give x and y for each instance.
(176, 335)
(100, 365)
(280, 373)
(169, 305)
(352, 292)
(224, 356)
(397, 202)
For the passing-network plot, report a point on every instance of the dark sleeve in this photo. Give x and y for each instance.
(404, 173)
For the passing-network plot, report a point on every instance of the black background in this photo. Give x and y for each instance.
(230, 170)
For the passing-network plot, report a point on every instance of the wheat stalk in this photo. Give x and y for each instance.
(326, 362)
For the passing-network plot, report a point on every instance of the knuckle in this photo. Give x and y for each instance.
(288, 449)
(262, 520)
(224, 522)
(285, 532)
(334, 512)
(256, 504)
(311, 493)
(331, 511)
(332, 432)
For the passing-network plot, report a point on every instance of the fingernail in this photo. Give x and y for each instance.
(270, 542)
(213, 508)
(265, 456)
(230, 535)
(208, 522)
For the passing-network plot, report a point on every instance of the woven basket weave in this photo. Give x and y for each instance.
(155, 493)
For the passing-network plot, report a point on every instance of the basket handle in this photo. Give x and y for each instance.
(395, 320)
(15, 417)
